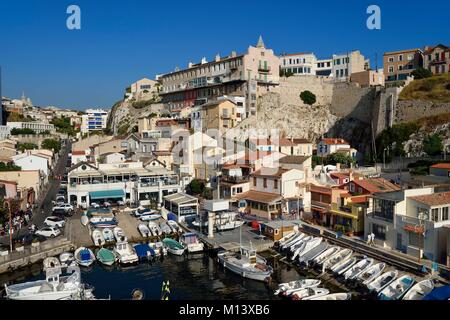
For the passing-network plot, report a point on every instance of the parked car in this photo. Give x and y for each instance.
(48, 232)
(60, 199)
(64, 206)
(106, 204)
(120, 203)
(62, 213)
(54, 222)
(95, 205)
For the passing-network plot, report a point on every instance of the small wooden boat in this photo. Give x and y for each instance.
(314, 252)
(310, 293)
(382, 281)
(397, 288)
(419, 290)
(314, 242)
(175, 226)
(368, 275)
(67, 259)
(291, 241)
(358, 268)
(174, 247)
(144, 230)
(119, 235)
(335, 296)
(97, 238)
(285, 289)
(283, 240)
(108, 235)
(51, 262)
(328, 253)
(342, 255)
(155, 229)
(165, 228)
(84, 256)
(342, 266)
(105, 256)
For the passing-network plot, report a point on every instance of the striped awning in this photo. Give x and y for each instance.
(107, 194)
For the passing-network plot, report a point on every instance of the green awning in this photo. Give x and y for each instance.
(107, 194)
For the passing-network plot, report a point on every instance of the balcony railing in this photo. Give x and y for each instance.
(264, 69)
(345, 209)
(235, 179)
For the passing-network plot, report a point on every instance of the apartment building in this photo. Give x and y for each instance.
(219, 115)
(413, 221)
(368, 78)
(437, 59)
(327, 146)
(130, 182)
(324, 67)
(37, 127)
(142, 87)
(344, 65)
(302, 63)
(288, 146)
(398, 65)
(440, 170)
(94, 120)
(250, 75)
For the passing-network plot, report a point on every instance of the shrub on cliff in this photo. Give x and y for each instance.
(421, 73)
(432, 145)
(308, 97)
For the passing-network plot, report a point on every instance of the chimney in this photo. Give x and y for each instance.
(217, 58)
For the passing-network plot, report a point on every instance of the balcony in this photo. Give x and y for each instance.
(345, 211)
(265, 69)
(321, 205)
(235, 179)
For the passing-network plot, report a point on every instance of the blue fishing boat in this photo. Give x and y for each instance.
(144, 252)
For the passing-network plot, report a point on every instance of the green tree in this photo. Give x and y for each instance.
(51, 144)
(432, 145)
(63, 125)
(9, 167)
(393, 138)
(195, 187)
(421, 73)
(17, 131)
(339, 157)
(308, 97)
(26, 146)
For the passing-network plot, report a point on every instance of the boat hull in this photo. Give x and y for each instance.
(258, 276)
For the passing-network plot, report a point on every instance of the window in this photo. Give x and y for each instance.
(414, 239)
(379, 231)
(445, 213)
(351, 187)
(400, 68)
(391, 59)
(410, 57)
(383, 209)
(265, 183)
(254, 181)
(400, 57)
(435, 215)
(275, 184)
(391, 69)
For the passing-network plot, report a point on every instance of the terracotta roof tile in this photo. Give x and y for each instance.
(441, 166)
(334, 141)
(435, 199)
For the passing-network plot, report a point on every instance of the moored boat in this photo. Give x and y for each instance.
(285, 289)
(159, 248)
(155, 229)
(97, 238)
(397, 288)
(335, 259)
(368, 275)
(144, 230)
(105, 256)
(125, 253)
(311, 254)
(119, 235)
(334, 296)
(84, 220)
(419, 290)
(309, 293)
(291, 241)
(165, 228)
(175, 226)
(358, 268)
(192, 242)
(328, 253)
(174, 247)
(309, 245)
(144, 252)
(66, 259)
(51, 262)
(84, 256)
(342, 266)
(382, 281)
(108, 235)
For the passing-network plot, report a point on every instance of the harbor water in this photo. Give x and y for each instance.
(191, 277)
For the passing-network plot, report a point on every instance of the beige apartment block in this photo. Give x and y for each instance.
(399, 65)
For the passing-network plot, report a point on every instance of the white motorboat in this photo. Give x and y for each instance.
(382, 281)
(144, 230)
(67, 259)
(51, 262)
(419, 290)
(283, 240)
(150, 217)
(335, 296)
(368, 275)
(125, 253)
(84, 256)
(119, 235)
(311, 254)
(397, 288)
(98, 219)
(174, 247)
(309, 293)
(227, 220)
(358, 268)
(293, 241)
(97, 238)
(155, 229)
(342, 266)
(285, 289)
(84, 220)
(311, 244)
(342, 255)
(299, 244)
(192, 242)
(246, 263)
(159, 248)
(108, 235)
(54, 287)
(328, 253)
(165, 228)
(175, 226)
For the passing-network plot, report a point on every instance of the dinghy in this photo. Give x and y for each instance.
(328, 253)
(246, 263)
(342, 255)
(334, 296)
(305, 258)
(368, 275)
(299, 243)
(150, 217)
(358, 268)
(397, 288)
(155, 229)
(108, 235)
(159, 248)
(97, 238)
(174, 247)
(51, 262)
(314, 242)
(419, 290)
(297, 237)
(119, 235)
(125, 253)
(105, 256)
(309, 293)
(67, 259)
(165, 228)
(175, 226)
(144, 230)
(84, 220)
(342, 266)
(84, 256)
(285, 289)
(283, 240)
(382, 280)
(98, 219)
(104, 224)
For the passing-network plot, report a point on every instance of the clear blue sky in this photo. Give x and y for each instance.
(122, 41)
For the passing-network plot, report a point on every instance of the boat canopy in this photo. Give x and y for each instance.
(107, 194)
(143, 249)
(441, 293)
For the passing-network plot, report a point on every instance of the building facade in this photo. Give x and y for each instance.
(299, 63)
(38, 127)
(94, 120)
(399, 65)
(437, 59)
(346, 64)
